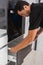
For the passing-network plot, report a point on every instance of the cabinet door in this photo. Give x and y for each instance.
(3, 56)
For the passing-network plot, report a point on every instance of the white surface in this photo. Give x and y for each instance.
(32, 1)
(41, 0)
(2, 31)
(26, 26)
(3, 56)
(3, 41)
(34, 58)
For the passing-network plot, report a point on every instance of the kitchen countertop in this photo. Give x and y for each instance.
(3, 32)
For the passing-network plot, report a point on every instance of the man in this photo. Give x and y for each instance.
(35, 11)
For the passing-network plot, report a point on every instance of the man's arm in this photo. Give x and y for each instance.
(27, 41)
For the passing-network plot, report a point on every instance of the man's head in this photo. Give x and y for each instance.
(22, 8)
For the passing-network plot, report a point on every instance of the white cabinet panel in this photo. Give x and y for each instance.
(3, 41)
(3, 56)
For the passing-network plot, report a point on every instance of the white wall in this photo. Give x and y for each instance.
(32, 1)
(26, 26)
(41, 0)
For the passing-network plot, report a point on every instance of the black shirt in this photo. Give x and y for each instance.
(36, 16)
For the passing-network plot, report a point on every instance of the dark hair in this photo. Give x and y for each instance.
(19, 5)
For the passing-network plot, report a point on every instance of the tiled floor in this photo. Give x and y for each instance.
(34, 58)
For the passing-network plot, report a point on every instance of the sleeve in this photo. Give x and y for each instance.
(34, 21)
(36, 17)
(41, 23)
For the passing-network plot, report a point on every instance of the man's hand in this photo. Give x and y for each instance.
(13, 49)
